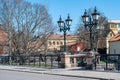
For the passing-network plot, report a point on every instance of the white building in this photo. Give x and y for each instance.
(114, 44)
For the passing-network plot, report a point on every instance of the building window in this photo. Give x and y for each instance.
(57, 43)
(110, 34)
(113, 25)
(114, 51)
(119, 25)
(54, 43)
(119, 31)
(50, 43)
(61, 43)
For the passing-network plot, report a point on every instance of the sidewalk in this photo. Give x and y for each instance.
(100, 75)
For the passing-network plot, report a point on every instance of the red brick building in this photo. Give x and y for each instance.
(3, 40)
(77, 47)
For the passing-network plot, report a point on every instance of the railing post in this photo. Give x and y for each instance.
(34, 60)
(29, 60)
(58, 59)
(95, 61)
(40, 56)
(0, 60)
(118, 62)
(45, 61)
(106, 62)
(51, 61)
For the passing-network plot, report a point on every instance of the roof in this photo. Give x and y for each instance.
(115, 38)
(61, 37)
(114, 21)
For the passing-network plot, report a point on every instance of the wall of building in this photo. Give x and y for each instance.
(114, 47)
(57, 44)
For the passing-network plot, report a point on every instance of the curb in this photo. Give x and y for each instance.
(50, 73)
(80, 76)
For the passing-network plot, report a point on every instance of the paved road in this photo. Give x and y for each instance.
(14, 75)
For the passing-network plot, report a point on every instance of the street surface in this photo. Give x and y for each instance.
(14, 75)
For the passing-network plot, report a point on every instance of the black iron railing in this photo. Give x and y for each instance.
(105, 62)
(39, 60)
(108, 61)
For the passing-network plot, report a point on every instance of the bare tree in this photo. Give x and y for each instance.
(100, 32)
(23, 21)
(83, 34)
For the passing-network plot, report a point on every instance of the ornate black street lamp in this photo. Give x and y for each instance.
(90, 22)
(64, 26)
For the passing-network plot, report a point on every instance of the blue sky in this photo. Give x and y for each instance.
(110, 8)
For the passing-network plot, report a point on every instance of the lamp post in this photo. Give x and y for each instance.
(64, 26)
(90, 22)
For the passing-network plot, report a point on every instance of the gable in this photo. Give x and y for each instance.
(115, 38)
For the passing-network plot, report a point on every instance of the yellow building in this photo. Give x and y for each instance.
(56, 41)
(114, 26)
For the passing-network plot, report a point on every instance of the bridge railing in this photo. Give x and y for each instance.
(109, 62)
(39, 60)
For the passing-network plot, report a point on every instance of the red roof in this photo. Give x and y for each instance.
(115, 38)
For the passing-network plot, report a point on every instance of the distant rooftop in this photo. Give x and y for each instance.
(114, 21)
(115, 38)
(61, 37)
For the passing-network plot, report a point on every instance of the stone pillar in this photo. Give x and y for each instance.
(75, 62)
(65, 61)
(98, 59)
(89, 60)
(107, 45)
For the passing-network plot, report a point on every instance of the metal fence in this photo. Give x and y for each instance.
(108, 62)
(38, 60)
